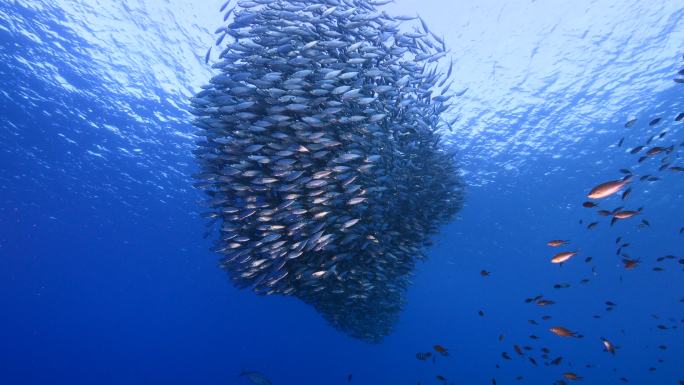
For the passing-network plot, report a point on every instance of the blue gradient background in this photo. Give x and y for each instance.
(105, 277)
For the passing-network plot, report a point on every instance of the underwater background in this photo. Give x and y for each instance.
(105, 277)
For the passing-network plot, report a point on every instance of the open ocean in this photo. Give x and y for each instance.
(109, 270)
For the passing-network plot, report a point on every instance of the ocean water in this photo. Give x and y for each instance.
(105, 277)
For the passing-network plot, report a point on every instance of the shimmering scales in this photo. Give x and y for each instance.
(320, 155)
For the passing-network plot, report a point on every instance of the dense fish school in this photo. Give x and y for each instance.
(320, 154)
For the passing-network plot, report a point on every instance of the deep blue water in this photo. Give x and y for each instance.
(105, 277)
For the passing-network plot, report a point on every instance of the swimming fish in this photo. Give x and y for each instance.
(572, 376)
(255, 377)
(562, 332)
(608, 346)
(563, 256)
(608, 188)
(441, 350)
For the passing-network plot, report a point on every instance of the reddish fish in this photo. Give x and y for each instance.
(608, 188)
(563, 257)
(556, 242)
(562, 332)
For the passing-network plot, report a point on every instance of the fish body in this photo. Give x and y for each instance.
(608, 188)
(256, 378)
(562, 332)
(563, 256)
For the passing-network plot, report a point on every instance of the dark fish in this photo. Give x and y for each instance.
(636, 149)
(654, 121)
(441, 350)
(630, 123)
(484, 273)
(206, 57)
(608, 346)
(679, 117)
(223, 7)
(589, 204)
(349, 377)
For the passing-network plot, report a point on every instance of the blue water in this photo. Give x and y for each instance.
(105, 277)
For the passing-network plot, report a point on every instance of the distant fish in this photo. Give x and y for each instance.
(572, 376)
(630, 263)
(562, 332)
(556, 242)
(654, 121)
(608, 346)
(630, 123)
(206, 57)
(636, 149)
(608, 188)
(589, 205)
(256, 378)
(441, 350)
(485, 273)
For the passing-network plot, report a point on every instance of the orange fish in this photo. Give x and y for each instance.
(441, 350)
(562, 332)
(572, 376)
(624, 214)
(608, 188)
(556, 242)
(563, 257)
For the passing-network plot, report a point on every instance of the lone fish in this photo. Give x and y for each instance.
(608, 188)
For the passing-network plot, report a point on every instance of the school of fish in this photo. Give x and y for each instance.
(320, 154)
